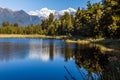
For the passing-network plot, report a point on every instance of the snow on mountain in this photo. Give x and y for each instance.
(45, 12)
(69, 10)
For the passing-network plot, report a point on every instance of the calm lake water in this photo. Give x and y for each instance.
(49, 59)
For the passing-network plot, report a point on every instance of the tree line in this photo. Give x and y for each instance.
(97, 20)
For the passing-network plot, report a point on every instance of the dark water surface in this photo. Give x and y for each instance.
(49, 59)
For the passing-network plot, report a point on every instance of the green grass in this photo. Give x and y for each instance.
(109, 44)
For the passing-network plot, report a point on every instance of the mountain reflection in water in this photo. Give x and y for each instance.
(72, 61)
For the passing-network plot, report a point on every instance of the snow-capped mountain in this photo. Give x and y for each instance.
(45, 12)
(33, 17)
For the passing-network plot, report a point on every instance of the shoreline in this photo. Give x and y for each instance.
(110, 43)
(31, 36)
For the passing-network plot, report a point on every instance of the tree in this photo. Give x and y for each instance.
(95, 15)
(66, 24)
(44, 24)
(51, 18)
(15, 24)
(5, 24)
(110, 20)
(77, 24)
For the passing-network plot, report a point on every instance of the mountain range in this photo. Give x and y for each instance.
(45, 12)
(32, 17)
(21, 17)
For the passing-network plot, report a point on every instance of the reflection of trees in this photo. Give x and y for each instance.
(68, 52)
(51, 50)
(90, 58)
(93, 59)
(113, 71)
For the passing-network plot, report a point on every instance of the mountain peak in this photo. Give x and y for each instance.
(44, 9)
(71, 9)
(5, 9)
(42, 13)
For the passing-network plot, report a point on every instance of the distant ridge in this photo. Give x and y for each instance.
(33, 17)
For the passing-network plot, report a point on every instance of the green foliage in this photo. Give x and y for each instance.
(15, 24)
(51, 18)
(66, 24)
(97, 20)
(4, 24)
(110, 20)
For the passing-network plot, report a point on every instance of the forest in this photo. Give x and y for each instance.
(98, 20)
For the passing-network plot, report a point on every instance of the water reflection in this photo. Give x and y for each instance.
(44, 50)
(10, 51)
(77, 62)
(90, 57)
(34, 48)
(39, 51)
(105, 64)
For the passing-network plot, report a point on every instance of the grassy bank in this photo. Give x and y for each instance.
(113, 44)
(30, 36)
(84, 41)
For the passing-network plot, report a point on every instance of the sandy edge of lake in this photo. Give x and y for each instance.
(30, 36)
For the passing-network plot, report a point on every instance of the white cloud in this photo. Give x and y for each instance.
(45, 12)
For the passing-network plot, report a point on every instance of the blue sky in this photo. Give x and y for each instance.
(29, 5)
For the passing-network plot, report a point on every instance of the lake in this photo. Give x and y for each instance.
(50, 59)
